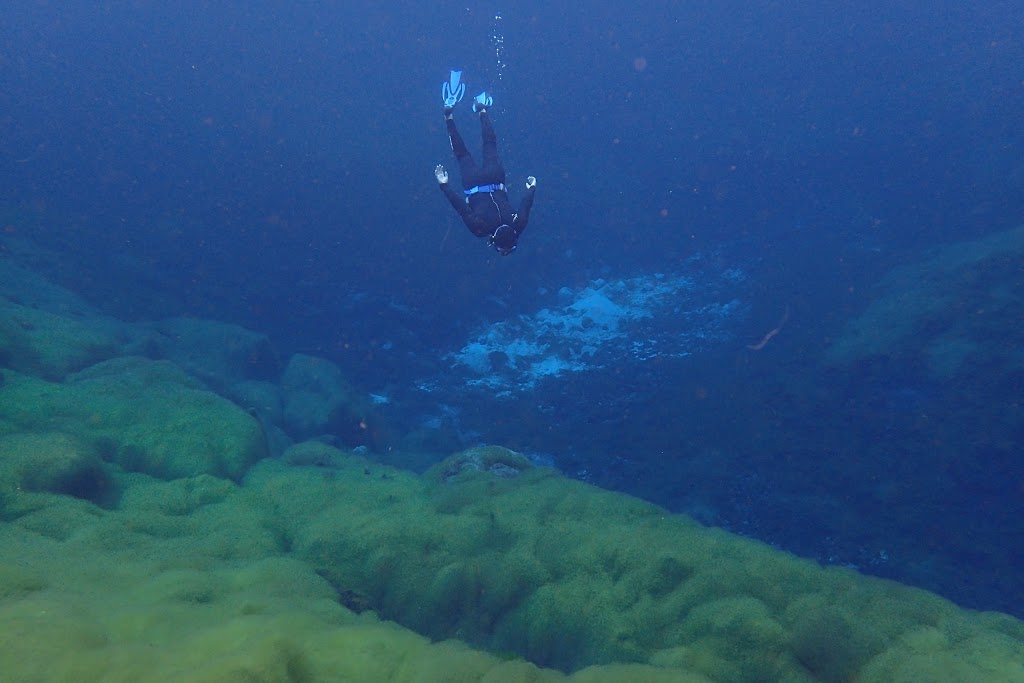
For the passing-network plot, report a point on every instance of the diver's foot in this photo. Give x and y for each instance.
(448, 112)
(481, 102)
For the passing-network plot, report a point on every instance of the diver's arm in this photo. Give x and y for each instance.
(457, 200)
(525, 205)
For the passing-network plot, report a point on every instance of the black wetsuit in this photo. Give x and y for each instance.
(486, 210)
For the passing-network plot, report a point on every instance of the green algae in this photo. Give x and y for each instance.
(146, 416)
(569, 576)
(325, 566)
(945, 298)
(145, 538)
(52, 462)
(114, 599)
(51, 345)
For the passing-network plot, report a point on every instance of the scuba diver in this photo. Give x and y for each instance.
(483, 203)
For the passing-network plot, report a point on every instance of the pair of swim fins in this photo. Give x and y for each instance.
(453, 90)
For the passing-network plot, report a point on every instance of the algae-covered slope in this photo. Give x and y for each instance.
(146, 538)
(191, 580)
(521, 560)
(286, 578)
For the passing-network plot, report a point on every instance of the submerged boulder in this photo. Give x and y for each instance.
(47, 330)
(944, 311)
(51, 462)
(319, 401)
(52, 345)
(221, 354)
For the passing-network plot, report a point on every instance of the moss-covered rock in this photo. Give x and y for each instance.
(944, 308)
(54, 463)
(146, 416)
(221, 354)
(482, 461)
(319, 401)
(51, 345)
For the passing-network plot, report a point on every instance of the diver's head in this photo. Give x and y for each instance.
(504, 239)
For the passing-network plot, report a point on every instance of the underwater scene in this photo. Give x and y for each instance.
(420, 342)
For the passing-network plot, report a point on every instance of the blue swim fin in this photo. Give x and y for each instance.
(454, 89)
(482, 101)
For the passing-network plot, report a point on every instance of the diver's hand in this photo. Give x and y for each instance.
(441, 175)
(531, 182)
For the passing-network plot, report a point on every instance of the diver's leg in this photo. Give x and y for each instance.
(493, 171)
(467, 167)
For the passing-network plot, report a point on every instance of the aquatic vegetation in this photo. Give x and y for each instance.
(148, 535)
(203, 578)
(146, 416)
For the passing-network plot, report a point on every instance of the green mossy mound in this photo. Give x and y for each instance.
(54, 463)
(956, 300)
(318, 400)
(50, 345)
(146, 416)
(569, 576)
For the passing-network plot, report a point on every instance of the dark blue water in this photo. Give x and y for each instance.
(270, 164)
